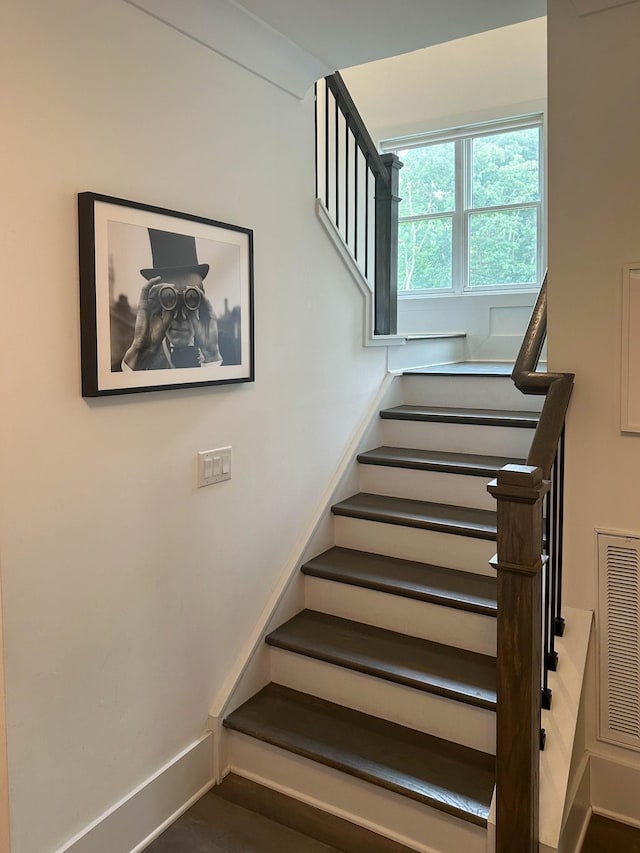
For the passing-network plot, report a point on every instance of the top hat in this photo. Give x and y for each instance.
(173, 253)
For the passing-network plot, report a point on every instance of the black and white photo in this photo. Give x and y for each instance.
(166, 298)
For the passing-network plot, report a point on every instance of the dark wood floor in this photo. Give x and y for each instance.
(608, 836)
(239, 816)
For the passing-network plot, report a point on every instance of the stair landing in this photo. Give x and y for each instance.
(469, 368)
(465, 368)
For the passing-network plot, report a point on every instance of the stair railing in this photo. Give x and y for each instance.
(359, 190)
(529, 568)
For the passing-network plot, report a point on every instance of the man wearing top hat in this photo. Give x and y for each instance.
(175, 324)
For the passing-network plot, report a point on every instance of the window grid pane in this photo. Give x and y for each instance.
(427, 180)
(503, 247)
(505, 168)
(425, 254)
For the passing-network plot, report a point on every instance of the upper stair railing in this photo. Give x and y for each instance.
(358, 188)
(529, 567)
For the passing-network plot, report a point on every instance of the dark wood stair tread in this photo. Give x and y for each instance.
(433, 667)
(436, 460)
(461, 590)
(446, 414)
(215, 824)
(447, 776)
(313, 823)
(444, 518)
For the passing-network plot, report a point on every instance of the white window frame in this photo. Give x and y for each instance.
(463, 138)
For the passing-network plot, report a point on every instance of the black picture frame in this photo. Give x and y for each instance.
(150, 281)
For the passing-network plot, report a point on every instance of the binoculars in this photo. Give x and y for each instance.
(170, 297)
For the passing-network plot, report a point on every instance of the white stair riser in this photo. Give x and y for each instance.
(509, 442)
(445, 718)
(464, 553)
(472, 392)
(460, 628)
(425, 829)
(438, 486)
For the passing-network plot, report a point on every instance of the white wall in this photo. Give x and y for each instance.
(471, 79)
(491, 75)
(594, 228)
(127, 592)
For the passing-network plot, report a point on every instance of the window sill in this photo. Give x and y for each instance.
(488, 291)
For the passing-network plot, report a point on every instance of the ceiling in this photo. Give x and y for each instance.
(350, 32)
(292, 43)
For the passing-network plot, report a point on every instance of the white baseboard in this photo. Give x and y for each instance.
(618, 817)
(142, 815)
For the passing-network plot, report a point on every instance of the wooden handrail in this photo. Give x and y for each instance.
(547, 434)
(556, 386)
(338, 89)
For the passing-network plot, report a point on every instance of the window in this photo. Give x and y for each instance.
(470, 218)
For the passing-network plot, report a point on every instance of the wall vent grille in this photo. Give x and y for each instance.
(619, 639)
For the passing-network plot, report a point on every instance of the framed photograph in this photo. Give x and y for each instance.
(166, 298)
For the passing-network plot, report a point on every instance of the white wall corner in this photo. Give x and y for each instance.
(144, 813)
(578, 809)
(233, 32)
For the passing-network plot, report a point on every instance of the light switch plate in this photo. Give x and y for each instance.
(214, 466)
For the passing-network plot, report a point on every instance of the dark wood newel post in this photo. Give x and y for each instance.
(386, 280)
(519, 490)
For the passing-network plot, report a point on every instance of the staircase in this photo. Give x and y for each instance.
(381, 705)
